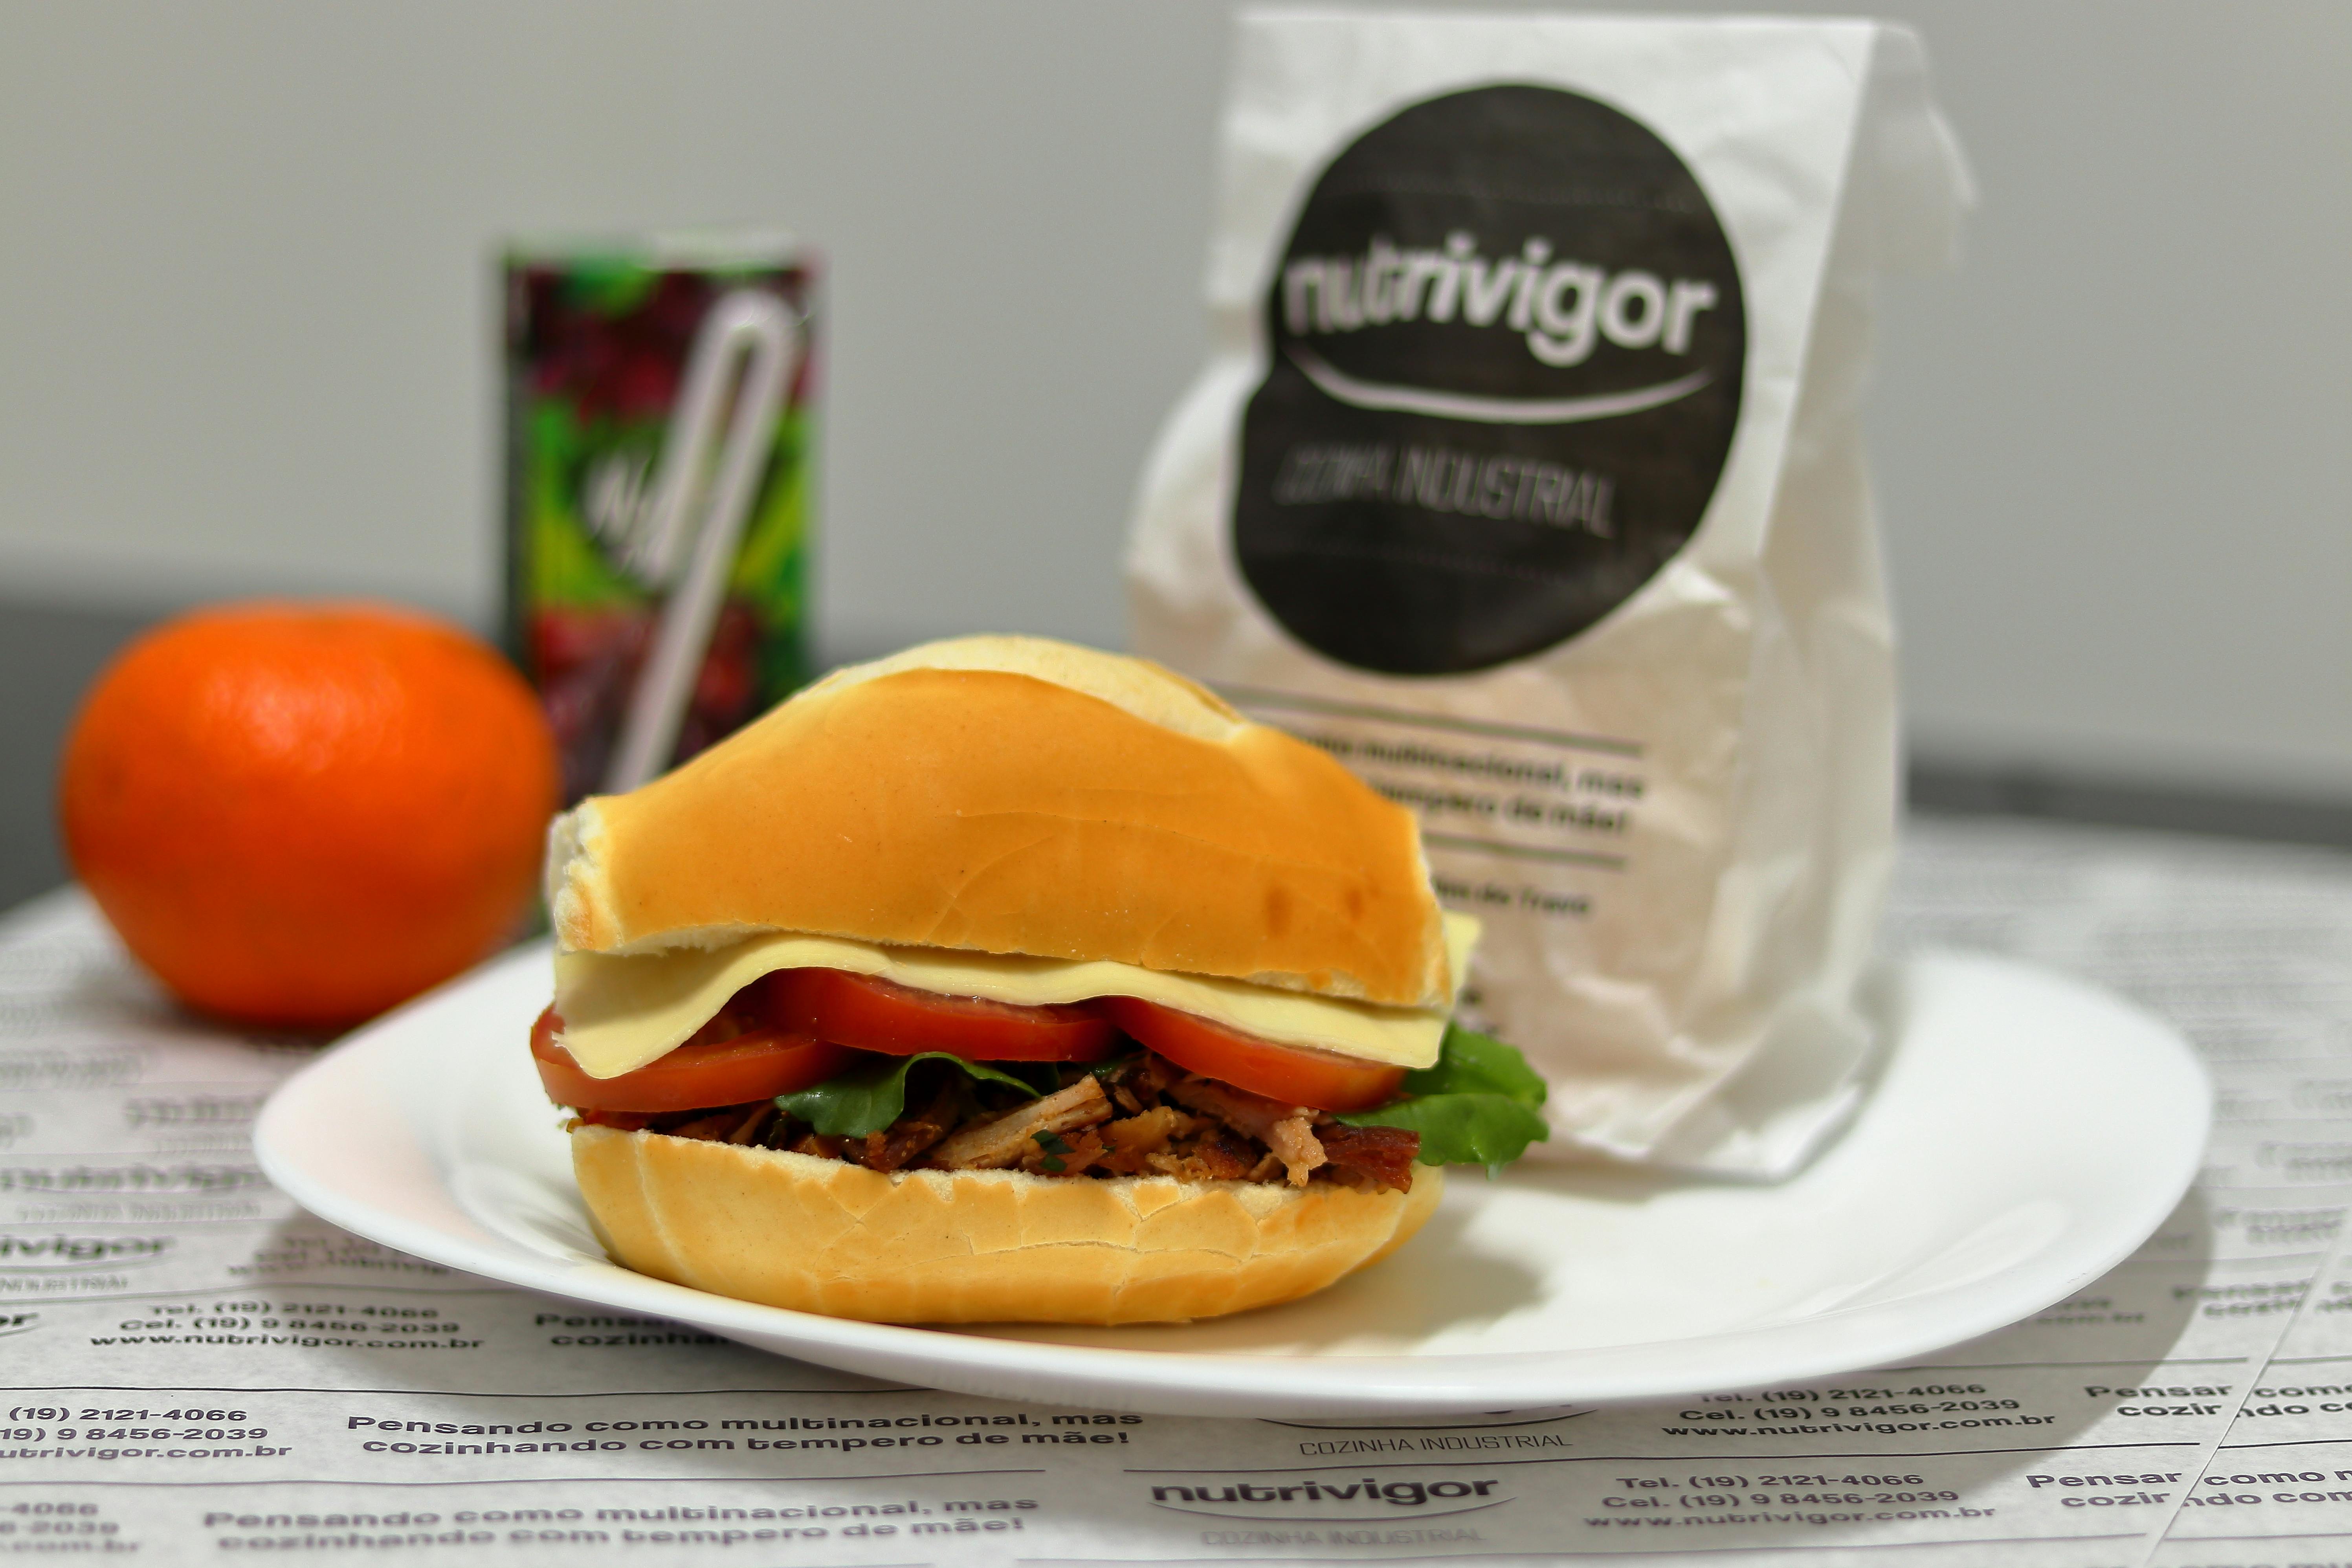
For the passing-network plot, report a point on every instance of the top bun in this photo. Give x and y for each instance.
(1015, 795)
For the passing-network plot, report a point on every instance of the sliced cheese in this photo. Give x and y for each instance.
(621, 1012)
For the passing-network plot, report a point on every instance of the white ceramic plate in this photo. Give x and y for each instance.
(2025, 1135)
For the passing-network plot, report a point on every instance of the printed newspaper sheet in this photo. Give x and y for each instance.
(195, 1370)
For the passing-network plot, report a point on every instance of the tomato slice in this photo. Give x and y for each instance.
(718, 1067)
(1292, 1074)
(874, 1014)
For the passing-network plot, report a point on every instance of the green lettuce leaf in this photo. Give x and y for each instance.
(872, 1095)
(1479, 1105)
(1472, 1063)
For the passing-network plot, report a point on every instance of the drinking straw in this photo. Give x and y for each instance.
(755, 327)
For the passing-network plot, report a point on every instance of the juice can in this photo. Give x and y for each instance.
(660, 401)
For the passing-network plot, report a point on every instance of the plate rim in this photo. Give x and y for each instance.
(1169, 1382)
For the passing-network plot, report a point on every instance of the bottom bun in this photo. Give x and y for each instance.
(975, 1246)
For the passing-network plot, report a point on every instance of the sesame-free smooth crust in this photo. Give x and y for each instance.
(975, 1246)
(1053, 814)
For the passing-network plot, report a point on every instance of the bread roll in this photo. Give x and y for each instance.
(1017, 795)
(975, 1246)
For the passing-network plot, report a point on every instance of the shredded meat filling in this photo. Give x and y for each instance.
(1382, 1156)
(1133, 1141)
(1144, 1117)
(1288, 1131)
(1253, 1114)
(892, 1148)
(992, 1145)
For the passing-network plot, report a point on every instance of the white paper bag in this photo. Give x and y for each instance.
(1526, 475)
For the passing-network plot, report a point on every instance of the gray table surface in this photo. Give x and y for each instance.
(48, 656)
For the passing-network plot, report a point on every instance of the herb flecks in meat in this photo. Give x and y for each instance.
(994, 1144)
(1139, 1116)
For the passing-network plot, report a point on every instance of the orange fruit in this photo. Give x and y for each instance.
(298, 815)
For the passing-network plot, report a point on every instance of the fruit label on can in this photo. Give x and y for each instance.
(661, 405)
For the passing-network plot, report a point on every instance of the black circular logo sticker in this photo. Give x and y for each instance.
(1507, 340)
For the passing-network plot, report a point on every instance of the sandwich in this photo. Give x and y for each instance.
(1003, 979)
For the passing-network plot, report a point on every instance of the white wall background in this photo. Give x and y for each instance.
(246, 322)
